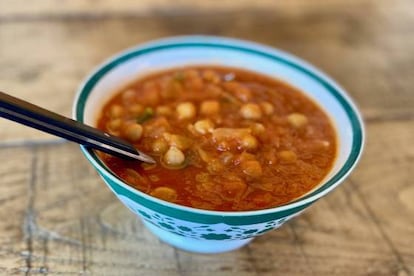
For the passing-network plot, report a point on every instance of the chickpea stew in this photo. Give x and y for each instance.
(224, 139)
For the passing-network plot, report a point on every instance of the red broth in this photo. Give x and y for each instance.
(224, 139)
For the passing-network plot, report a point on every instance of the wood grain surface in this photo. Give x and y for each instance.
(58, 218)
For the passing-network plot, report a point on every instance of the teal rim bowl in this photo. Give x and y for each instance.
(208, 50)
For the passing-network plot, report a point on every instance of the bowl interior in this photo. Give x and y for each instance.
(132, 64)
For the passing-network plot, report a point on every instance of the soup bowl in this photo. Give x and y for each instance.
(206, 231)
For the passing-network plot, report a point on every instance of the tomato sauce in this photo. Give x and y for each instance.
(224, 138)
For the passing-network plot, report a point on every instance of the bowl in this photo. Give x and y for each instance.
(205, 231)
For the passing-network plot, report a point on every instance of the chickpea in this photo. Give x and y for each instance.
(186, 110)
(267, 108)
(211, 76)
(170, 89)
(159, 146)
(113, 132)
(204, 126)
(195, 83)
(114, 125)
(214, 90)
(251, 111)
(257, 129)
(297, 120)
(136, 109)
(210, 107)
(116, 111)
(128, 96)
(165, 193)
(179, 141)
(133, 132)
(191, 129)
(174, 157)
(191, 73)
(252, 168)
(249, 142)
(150, 95)
(244, 156)
(287, 156)
(163, 110)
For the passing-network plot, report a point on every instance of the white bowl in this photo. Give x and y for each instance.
(215, 231)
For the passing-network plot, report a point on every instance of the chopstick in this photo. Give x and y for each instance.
(39, 118)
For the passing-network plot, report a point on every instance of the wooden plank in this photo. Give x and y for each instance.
(337, 40)
(15, 197)
(384, 183)
(65, 221)
(20, 9)
(77, 225)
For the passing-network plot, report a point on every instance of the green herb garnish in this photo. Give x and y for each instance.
(146, 115)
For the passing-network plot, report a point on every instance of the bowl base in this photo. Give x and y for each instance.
(195, 245)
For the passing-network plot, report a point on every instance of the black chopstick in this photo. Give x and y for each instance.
(36, 117)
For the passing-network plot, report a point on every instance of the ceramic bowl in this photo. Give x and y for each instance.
(206, 231)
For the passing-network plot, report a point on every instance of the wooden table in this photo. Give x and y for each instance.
(57, 217)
